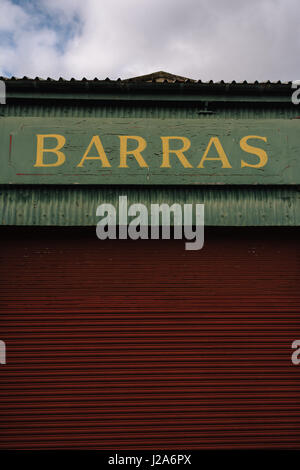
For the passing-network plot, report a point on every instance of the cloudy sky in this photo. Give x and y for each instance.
(202, 39)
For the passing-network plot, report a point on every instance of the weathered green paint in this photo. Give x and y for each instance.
(18, 151)
(76, 206)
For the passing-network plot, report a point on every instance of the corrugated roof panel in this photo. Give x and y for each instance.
(160, 90)
(156, 77)
(74, 206)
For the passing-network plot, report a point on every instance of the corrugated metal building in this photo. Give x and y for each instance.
(141, 344)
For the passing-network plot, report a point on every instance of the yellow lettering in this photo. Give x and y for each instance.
(142, 144)
(222, 155)
(262, 155)
(40, 150)
(179, 152)
(101, 153)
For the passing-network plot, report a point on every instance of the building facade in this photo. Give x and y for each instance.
(141, 344)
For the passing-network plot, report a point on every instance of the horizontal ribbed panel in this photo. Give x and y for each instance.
(226, 206)
(142, 345)
(138, 110)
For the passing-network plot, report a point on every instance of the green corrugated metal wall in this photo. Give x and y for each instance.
(190, 111)
(224, 206)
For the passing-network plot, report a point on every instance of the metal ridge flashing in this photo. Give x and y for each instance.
(187, 81)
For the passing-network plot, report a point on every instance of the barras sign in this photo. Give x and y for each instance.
(149, 151)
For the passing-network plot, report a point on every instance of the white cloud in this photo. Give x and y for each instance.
(11, 17)
(236, 39)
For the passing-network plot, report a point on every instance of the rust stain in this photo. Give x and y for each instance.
(35, 174)
(57, 174)
(10, 145)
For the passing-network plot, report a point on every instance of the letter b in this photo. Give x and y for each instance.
(40, 150)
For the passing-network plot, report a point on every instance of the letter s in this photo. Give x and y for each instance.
(296, 354)
(262, 155)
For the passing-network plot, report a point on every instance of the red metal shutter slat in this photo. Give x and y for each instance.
(143, 345)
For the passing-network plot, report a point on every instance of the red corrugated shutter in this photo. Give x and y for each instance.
(143, 345)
